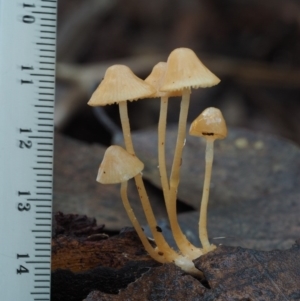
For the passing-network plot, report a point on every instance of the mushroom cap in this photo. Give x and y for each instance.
(120, 84)
(155, 79)
(210, 123)
(185, 70)
(118, 166)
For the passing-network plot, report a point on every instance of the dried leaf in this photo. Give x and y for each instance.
(164, 283)
(231, 273)
(82, 264)
(74, 225)
(234, 273)
(118, 268)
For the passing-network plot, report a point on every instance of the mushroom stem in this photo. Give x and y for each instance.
(209, 155)
(163, 253)
(161, 243)
(161, 146)
(184, 107)
(126, 126)
(152, 252)
(182, 242)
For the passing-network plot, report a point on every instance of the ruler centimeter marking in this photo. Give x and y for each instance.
(27, 88)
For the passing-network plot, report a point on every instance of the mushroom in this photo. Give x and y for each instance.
(119, 166)
(211, 125)
(184, 71)
(119, 85)
(154, 79)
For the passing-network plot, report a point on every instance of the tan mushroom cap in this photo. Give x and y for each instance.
(210, 123)
(155, 79)
(118, 166)
(120, 84)
(185, 70)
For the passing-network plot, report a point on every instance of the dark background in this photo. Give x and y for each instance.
(253, 46)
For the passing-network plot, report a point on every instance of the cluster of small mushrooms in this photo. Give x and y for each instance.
(182, 71)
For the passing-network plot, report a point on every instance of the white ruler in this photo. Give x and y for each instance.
(27, 83)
